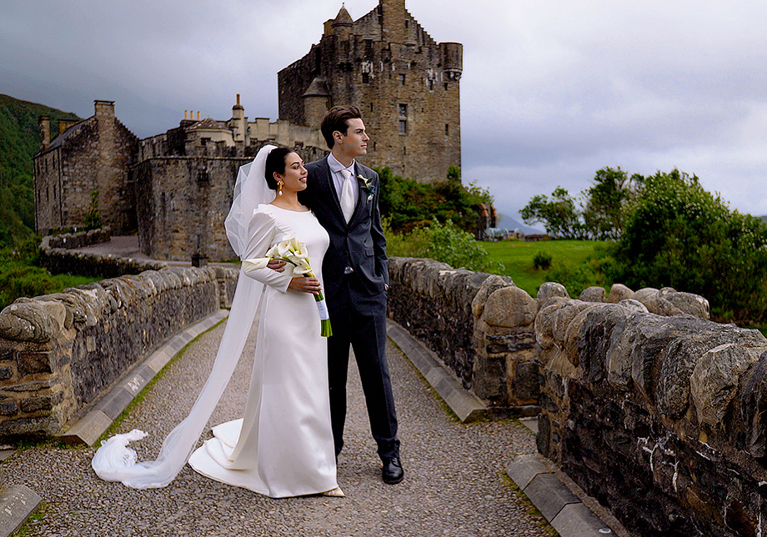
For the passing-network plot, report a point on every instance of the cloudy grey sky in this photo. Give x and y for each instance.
(551, 90)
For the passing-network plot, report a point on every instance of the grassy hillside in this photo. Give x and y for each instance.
(19, 141)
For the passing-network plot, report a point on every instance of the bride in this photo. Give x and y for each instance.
(283, 444)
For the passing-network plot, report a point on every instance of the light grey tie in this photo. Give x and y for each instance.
(347, 195)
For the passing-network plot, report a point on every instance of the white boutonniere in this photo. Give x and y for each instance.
(367, 186)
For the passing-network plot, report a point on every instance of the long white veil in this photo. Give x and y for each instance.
(114, 461)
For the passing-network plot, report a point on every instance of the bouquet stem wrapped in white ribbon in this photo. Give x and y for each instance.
(293, 251)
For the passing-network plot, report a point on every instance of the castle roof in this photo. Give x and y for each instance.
(343, 18)
(318, 88)
(208, 123)
(59, 140)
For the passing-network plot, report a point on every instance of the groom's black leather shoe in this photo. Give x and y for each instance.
(392, 472)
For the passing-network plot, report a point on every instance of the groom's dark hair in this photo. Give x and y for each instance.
(335, 120)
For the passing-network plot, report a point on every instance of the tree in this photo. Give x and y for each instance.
(558, 214)
(409, 204)
(679, 235)
(605, 202)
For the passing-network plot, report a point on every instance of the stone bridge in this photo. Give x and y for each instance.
(651, 408)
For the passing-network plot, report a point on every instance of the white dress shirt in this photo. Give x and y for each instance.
(338, 179)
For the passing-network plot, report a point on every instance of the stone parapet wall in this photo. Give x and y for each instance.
(661, 418)
(433, 302)
(59, 352)
(483, 326)
(70, 241)
(653, 409)
(58, 259)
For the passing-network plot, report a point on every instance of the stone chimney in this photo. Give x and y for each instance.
(104, 109)
(239, 122)
(393, 17)
(44, 122)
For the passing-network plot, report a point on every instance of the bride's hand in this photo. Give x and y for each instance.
(305, 285)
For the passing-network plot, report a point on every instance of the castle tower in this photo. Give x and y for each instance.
(406, 84)
(316, 101)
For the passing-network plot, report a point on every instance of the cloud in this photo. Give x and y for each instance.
(550, 93)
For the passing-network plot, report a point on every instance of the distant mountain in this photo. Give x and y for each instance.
(513, 225)
(19, 141)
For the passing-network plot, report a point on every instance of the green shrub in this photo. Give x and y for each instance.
(679, 235)
(92, 219)
(542, 260)
(441, 242)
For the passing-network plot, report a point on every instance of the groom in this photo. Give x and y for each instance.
(344, 197)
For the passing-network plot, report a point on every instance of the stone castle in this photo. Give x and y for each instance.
(174, 189)
(406, 84)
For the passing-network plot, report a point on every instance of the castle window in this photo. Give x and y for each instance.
(365, 78)
(368, 46)
(446, 86)
(447, 129)
(407, 22)
(402, 80)
(403, 110)
(371, 107)
(403, 126)
(430, 82)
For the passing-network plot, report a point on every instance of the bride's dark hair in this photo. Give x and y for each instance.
(275, 163)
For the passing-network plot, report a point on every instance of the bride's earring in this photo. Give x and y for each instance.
(279, 187)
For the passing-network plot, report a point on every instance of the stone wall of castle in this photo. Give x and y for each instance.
(184, 200)
(650, 407)
(58, 352)
(405, 83)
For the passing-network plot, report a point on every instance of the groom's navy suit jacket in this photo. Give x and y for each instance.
(360, 244)
(356, 301)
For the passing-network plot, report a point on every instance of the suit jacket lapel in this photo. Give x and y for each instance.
(325, 184)
(361, 195)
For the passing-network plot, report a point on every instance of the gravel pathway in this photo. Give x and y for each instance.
(454, 484)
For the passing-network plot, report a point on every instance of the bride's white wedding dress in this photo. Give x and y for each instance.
(283, 445)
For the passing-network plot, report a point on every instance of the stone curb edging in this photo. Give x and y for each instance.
(16, 504)
(533, 474)
(90, 427)
(557, 503)
(467, 406)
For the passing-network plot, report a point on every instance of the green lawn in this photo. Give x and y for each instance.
(18, 278)
(517, 257)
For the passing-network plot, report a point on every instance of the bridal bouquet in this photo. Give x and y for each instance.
(293, 251)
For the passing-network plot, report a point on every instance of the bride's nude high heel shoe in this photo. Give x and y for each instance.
(335, 493)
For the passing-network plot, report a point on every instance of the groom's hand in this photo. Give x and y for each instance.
(276, 265)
